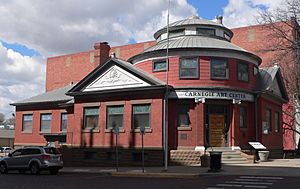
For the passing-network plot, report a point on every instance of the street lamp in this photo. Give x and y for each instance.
(116, 132)
(142, 130)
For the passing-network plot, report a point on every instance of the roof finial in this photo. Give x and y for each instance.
(113, 55)
(219, 19)
(275, 64)
(194, 17)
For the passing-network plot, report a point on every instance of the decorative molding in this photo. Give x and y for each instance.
(145, 101)
(115, 78)
(112, 103)
(91, 104)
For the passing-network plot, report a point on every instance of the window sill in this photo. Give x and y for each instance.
(184, 128)
(111, 130)
(138, 130)
(26, 132)
(45, 132)
(219, 78)
(90, 131)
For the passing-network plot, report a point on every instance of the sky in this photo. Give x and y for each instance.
(32, 30)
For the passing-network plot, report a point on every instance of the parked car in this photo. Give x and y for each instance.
(34, 159)
(5, 149)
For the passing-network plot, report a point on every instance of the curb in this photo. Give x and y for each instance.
(155, 175)
(136, 174)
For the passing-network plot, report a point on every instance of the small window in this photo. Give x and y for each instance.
(219, 69)
(183, 117)
(243, 72)
(255, 71)
(63, 122)
(159, 65)
(91, 117)
(115, 117)
(189, 68)
(243, 117)
(141, 116)
(46, 123)
(27, 123)
(277, 122)
(176, 33)
(226, 36)
(206, 31)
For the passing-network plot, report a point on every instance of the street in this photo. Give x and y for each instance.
(90, 181)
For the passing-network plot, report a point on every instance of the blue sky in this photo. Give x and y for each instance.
(208, 9)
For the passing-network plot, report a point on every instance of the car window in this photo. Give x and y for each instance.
(51, 151)
(31, 151)
(1, 149)
(17, 152)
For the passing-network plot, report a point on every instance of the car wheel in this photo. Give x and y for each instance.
(3, 168)
(53, 171)
(34, 168)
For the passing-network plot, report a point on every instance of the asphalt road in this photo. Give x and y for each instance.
(91, 181)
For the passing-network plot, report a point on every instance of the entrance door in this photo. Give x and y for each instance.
(216, 130)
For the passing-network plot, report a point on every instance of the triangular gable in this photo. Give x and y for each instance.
(115, 78)
(271, 81)
(115, 74)
(275, 89)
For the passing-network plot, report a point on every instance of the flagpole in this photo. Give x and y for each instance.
(166, 146)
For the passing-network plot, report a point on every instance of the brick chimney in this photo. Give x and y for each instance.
(101, 53)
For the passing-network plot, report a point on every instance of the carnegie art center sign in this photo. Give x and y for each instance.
(212, 94)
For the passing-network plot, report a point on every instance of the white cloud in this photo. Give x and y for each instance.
(20, 77)
(59, 27)
(245, 12)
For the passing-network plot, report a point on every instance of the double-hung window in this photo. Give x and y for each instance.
(141, 116)
(63, 122)
(91, 118)
(183, 115)
(189, 68)
(115, 117)
(46, 121)
(27, 123)
(219, 69)
(268, 126)
(243, 71)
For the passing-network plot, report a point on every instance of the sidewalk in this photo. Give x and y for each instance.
(276, 167)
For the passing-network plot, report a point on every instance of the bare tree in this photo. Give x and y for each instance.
(283, 29)
(2, 117)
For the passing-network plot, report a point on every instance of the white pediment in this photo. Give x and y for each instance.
(115, 78)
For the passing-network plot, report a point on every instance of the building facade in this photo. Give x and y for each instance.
(210, 91)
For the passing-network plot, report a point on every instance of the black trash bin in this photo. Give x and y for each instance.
(215, 161)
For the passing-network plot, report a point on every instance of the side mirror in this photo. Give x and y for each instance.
(9, 155)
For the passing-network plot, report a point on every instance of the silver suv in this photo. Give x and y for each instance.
(33, 159)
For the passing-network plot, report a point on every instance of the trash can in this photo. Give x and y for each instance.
(215, 161)
(263, 155)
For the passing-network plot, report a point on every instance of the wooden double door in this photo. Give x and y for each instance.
(217, 118)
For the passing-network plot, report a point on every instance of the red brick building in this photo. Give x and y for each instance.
(217, 96)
